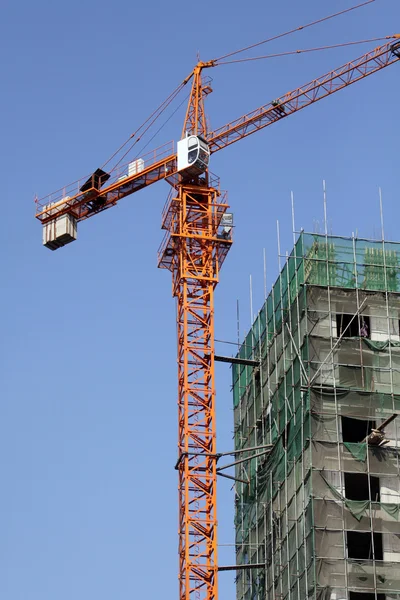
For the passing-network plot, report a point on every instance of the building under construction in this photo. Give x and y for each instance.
(316, 395)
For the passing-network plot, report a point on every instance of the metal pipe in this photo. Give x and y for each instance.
(237, 361)
(242, 460)
(241, 567)
(233, 478)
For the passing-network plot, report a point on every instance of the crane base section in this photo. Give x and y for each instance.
(59, 232)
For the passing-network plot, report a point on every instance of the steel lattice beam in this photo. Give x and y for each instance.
(192, 252)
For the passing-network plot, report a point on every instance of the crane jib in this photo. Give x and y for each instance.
(395, 48)
(163, 165)
(306, 95)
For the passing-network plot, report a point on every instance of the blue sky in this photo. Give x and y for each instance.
(88, 370)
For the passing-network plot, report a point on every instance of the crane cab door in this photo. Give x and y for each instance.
(193, 155)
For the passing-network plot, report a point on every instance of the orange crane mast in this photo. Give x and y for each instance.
(198, 238)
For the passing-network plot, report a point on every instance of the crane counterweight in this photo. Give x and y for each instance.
(59, 232)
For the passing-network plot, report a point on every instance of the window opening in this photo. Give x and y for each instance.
(359, 545)
(356, 486)
(367, 596)
(353, 326)
(356, 430)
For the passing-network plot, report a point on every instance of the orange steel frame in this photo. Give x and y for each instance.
(194, 252)
(79, 204)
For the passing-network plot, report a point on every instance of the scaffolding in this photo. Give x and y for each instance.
(319, 515)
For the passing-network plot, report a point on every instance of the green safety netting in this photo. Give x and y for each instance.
(333, 261)
(381, 346)
(294, 401)
(360, 508)
(392, 509)
(358, 451)
(357, 507)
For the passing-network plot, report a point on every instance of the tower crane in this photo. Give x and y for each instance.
(198, 238)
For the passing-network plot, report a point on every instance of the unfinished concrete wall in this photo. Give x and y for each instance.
(320, 516)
